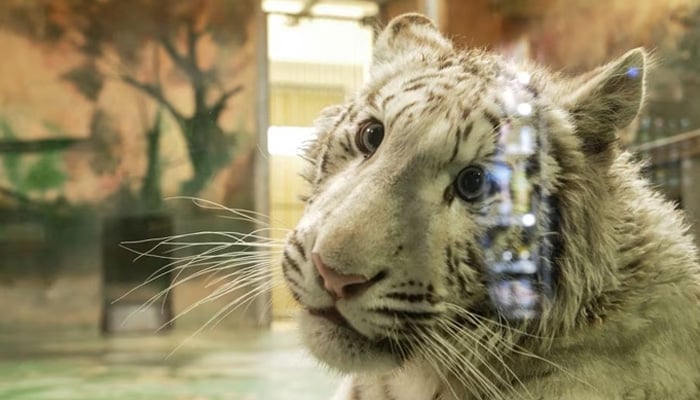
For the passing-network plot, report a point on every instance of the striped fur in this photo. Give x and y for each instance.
(625, 320)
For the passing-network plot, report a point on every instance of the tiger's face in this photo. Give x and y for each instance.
(388, 248)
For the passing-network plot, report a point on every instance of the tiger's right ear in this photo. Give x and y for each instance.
(409, 34)
(607, 99)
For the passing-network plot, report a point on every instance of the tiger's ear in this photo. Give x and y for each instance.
(409, 34)
(607, 99)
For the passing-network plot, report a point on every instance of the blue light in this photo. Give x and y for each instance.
(633, 72)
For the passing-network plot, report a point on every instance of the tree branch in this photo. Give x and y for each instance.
(156, 93)
(37, 145)
(192, 38)
(185, 62)
(169, 47)
(220, 105)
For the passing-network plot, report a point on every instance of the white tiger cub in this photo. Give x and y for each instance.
(386, 260)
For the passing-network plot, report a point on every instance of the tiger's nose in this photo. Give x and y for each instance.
(341, 285)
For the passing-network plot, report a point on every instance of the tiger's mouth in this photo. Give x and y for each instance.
(333, 315)
(331, 339)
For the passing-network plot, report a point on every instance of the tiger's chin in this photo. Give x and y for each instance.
(344, 349)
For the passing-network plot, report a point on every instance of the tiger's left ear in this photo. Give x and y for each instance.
(409, 34)
(607, 99)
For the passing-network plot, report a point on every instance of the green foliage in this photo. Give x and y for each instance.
(44, 174)
(120, 36)
(40, 174)
(10, 162)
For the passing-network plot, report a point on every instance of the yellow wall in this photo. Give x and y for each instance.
(314, 63)
(285, 211)
(291, 105)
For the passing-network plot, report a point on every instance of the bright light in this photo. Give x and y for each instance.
(507, 255)
(345, 10)
(526, 139)
(528, 220)
(509, 98)
(523, 77)
(282, 6)
(288, 140)
(318, 41)
(524, 109)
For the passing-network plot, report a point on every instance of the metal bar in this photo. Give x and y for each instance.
(365, 20)
(681, 137)
(261, 165)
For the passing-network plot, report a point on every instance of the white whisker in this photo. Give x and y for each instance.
(246, 215)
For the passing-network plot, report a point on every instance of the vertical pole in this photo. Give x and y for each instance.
(430, 9)
(261, 167)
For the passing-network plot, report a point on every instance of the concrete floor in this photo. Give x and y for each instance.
(247, 365)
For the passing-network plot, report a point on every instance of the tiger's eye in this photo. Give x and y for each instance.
(472, 183)
(370, 136)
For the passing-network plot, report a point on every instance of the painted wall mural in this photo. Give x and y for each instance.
(107, 108)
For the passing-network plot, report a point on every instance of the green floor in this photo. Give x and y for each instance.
(242, 366)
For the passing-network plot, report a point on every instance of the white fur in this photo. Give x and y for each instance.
(625, 322)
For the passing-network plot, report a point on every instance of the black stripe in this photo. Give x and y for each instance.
(349, 145)
(341, 119)
(473, 258)
(448, 259)
(324, 161)
(411, 298)
(295, 295)
(494, 121)
(403, 314)
(449, 194)
(415, 87)
(387, 99)
(371, 98)
(292, 284)
(292, 264)
(532, 165)
(352, 116)
(438, 101)
(446, 64)
(345, 147)
(458, 144)
(462, 283)
(460, 136)
(446, 86)
(467, 131)
(466, 112)
(403, 110)
(633, 267)
(420, 79)
(297, 245)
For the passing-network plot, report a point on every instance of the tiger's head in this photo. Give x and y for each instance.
(388, 250)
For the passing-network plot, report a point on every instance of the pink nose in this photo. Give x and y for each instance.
(341, 285)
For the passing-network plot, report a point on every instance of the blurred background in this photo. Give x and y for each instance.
(115, 114)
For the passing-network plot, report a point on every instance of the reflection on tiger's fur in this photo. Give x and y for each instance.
(387, 261)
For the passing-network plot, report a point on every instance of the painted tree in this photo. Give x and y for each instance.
(119, 40)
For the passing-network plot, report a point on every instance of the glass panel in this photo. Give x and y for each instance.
(109, 108)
